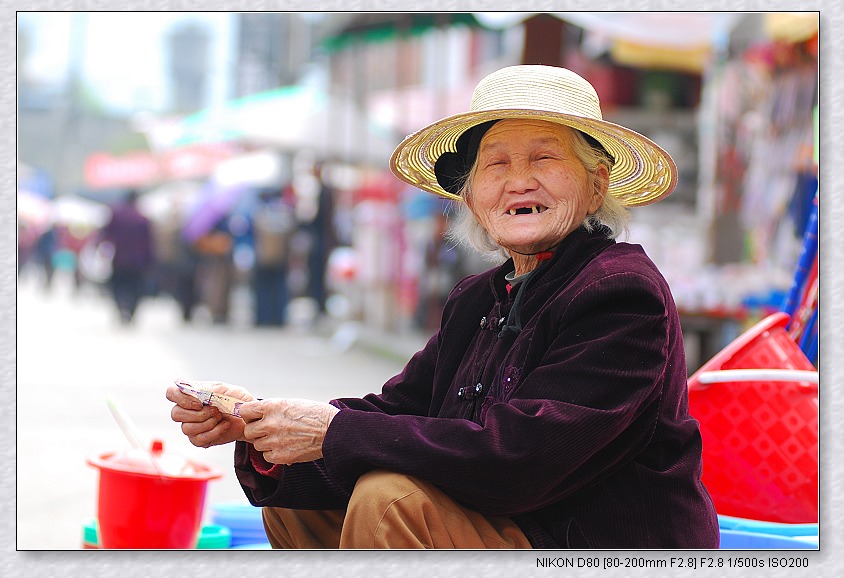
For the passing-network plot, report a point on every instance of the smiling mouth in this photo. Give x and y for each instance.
(533, 209)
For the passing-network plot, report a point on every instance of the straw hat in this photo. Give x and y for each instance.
(643, 172)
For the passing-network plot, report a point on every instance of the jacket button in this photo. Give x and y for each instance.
(483, 322)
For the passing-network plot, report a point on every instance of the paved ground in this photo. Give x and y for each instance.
(72, 356)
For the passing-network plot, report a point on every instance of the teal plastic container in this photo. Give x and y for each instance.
(211, 536)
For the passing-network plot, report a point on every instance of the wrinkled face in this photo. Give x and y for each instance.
(529, 189)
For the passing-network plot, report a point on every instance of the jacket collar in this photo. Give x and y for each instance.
(571, 255)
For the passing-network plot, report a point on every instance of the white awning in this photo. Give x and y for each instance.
(663, 29)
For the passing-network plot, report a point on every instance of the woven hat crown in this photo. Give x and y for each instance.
(642, 173)
(536, 87)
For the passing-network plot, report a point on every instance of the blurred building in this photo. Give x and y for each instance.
(266, 50)
(58, 122)
(188, 67)
(273, 49)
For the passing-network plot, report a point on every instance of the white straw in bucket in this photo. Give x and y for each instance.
(131, 433)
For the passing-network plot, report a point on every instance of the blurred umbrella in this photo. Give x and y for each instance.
(77, 211)
(33, 211)
(168, 200)
(293, 119)
(212, 204)
(231, 189)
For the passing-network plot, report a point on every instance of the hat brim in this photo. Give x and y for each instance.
(643, 172)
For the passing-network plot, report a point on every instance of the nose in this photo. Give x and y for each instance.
(520, 178)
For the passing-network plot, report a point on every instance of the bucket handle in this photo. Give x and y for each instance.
(802, 377)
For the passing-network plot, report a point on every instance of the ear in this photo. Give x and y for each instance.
(467, 198)
(600, 186)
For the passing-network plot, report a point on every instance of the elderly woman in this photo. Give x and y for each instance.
(550, 408)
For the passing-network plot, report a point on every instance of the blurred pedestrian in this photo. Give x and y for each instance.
(322, 237)
(176, 262)
(130, 235)
(215, 269)
(272, 226)
(45, 249)
(443, 268)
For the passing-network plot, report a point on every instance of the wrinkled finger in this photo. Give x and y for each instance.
(197, 427)
(259, 429)
(200, 436)
(255, 434)
(203, 413)
(182, 399)
(251, 411)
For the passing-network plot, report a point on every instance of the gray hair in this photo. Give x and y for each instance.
(615, 217)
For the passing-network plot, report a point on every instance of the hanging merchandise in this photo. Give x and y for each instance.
(766, 100)
(778, 138)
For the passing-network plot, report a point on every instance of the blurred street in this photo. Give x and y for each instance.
(73, 355)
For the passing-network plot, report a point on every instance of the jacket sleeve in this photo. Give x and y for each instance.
(302, 486)
(587, 408)
(309, 485)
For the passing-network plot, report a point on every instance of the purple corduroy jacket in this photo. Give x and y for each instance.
(576, 427)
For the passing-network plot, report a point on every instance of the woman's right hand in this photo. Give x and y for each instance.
(205, 425)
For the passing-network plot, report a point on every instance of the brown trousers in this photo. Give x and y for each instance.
(390, 510)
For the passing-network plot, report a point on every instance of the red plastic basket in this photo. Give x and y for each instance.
(760, 435)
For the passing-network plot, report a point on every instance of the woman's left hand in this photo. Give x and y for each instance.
(287, 431)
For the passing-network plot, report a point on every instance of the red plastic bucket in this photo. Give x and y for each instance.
(760, 438)
(146, 504)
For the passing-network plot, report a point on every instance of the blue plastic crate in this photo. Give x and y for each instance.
(742, 540)
(764, 527)
(243, 520)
